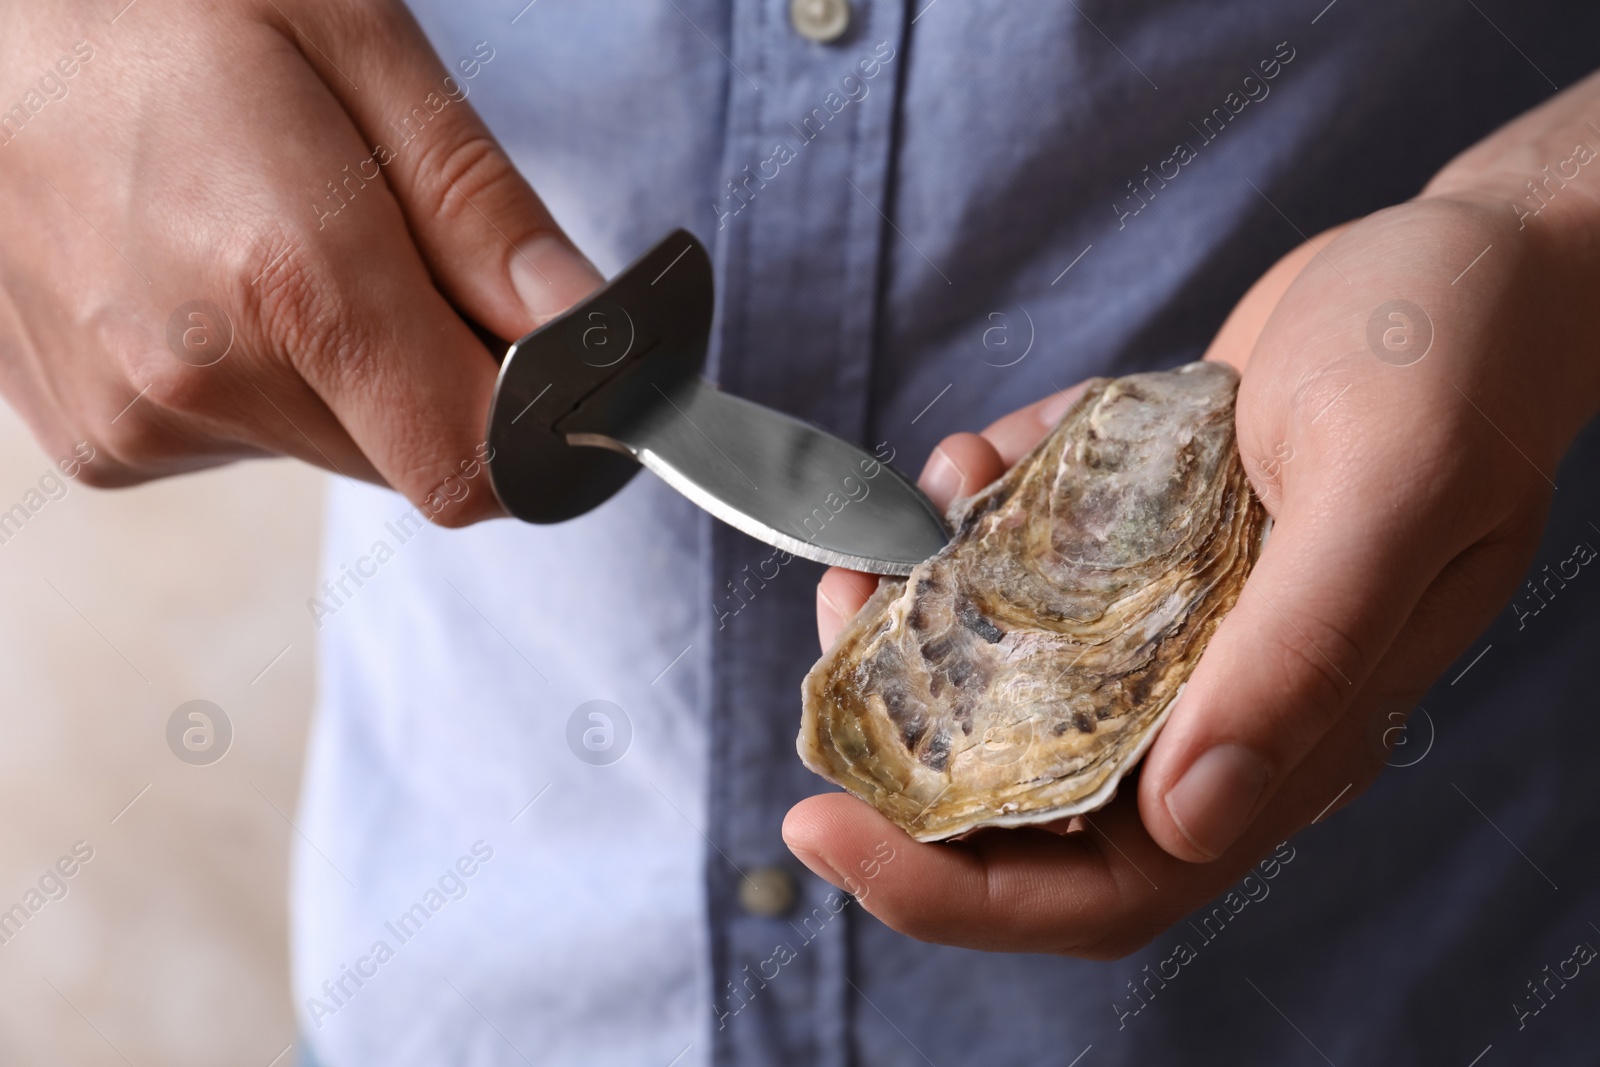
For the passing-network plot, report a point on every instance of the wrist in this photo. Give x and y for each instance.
(1535, 182)
(1539, 270)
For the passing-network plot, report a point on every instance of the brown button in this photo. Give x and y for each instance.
(767, 891)
(820, 20)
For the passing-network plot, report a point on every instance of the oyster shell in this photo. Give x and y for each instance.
(1016, 676)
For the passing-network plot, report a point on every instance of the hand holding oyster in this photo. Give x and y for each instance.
(1016, 676)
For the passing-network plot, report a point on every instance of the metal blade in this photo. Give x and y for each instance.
(778, 479)
(621, 371)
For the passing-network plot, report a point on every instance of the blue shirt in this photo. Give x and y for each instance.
(950, 211)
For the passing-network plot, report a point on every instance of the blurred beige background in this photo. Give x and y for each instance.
(170, 946)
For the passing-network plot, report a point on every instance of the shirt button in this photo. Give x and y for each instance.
(820, 20)
(767, 891)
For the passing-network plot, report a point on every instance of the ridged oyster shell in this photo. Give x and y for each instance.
(1016, 676)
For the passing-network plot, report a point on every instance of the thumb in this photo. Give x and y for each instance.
(1338, 578)
(486, 237)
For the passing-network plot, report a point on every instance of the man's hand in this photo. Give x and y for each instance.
(310, 169)
(1410, 383)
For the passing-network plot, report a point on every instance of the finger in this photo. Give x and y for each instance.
(960, 465)
(1318, 612)
(840, 595)
(347, 304)
(313, 434)
(1093, 892)
(1013, 436)
(174, 437)
(943, 892)
(486, 237)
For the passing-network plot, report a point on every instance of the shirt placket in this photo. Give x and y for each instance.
(799, 242)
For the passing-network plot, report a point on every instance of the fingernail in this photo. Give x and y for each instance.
(1050, 411)
(550, 276)
(941, 479)
(1213, 800)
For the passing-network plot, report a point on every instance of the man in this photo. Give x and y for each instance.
(923, 218)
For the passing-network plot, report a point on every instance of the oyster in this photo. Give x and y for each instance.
(1016, 676)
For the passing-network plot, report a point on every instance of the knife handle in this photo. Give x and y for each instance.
(645, 332)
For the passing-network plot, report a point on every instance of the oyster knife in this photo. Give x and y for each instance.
(614, 383)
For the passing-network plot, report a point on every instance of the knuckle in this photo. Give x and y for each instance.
(276, 283)
(134, 442)
(160, 377)
(468, 169)
(176, 387)
(138, 426)
(292, 303)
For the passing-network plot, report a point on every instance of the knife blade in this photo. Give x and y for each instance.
(615, 382)
(791, 485)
